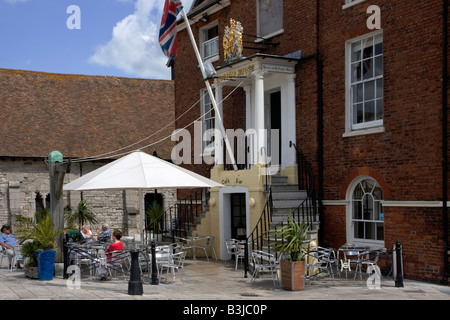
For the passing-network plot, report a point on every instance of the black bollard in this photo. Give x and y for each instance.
(154, 270)
(135, 284)
(399, 267)
(246, 267)
(66, 257)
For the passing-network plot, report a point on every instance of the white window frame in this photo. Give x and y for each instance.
(208, 146)
(268, 36)
(203, 40)
(351, 221)
(351, 3)
(351, 129)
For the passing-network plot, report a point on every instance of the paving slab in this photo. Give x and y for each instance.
(213, 281)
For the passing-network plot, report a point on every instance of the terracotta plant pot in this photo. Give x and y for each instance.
(292, 275)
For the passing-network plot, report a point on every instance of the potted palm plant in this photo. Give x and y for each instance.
(43, 237)
(292, 265)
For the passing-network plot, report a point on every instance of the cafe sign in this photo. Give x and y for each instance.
(237, 73)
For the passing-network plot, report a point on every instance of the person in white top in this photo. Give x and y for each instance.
(85, 232)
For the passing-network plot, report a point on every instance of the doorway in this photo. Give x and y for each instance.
(273, 125)
(238, 216)
(149, 200)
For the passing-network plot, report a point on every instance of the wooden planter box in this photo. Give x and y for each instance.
(31, 272)
(292, 275)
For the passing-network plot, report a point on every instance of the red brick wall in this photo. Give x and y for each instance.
(405, 159)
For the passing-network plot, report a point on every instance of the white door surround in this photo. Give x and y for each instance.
(259, 75)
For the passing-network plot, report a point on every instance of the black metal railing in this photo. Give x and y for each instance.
(307, 210)
(178, 219)
(264, 235)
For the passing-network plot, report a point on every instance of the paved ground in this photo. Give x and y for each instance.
(213, 281)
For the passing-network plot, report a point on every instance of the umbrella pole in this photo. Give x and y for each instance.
(141, 216)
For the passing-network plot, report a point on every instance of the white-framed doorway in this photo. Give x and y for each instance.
(225, 218)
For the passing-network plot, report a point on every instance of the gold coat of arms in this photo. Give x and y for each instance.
(232, 42)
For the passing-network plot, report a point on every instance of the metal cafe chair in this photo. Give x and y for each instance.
(175, 263)
(185, 244)
(367, 258)
(263, 261)
(231, 247)
(205, 244)
(3, 254)
(319, 261)
(240, 252)
(118, 263)
(18, 258)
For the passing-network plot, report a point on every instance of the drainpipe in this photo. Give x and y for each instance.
(319, 67)
(445, 137)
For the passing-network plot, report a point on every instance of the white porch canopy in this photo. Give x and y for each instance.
(260, 75)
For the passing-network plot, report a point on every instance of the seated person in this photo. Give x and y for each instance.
(85, 232)
(104, 234)
(8, 242)
(116, 246)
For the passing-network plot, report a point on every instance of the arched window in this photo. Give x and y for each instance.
(366, 212)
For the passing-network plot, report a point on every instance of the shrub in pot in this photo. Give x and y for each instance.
(294, 236)
(43, 237)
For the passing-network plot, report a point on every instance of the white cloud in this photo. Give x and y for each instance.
(134, 47)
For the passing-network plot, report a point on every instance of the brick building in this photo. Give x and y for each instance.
(364, 103)
(85, 118)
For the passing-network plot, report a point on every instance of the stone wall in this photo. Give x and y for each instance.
(22, 179)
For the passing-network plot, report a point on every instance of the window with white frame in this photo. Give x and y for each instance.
(367, 217)
(208, 121)
(365, 82)
(210, 42)
(270, 17)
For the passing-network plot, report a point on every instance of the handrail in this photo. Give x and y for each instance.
(306, 211)
(308, 207)
(177, 218)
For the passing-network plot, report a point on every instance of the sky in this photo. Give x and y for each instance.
(114, 38)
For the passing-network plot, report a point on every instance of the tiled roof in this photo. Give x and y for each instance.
(80, 115)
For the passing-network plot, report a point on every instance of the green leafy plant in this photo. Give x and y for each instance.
(36, 236)
(293, 235)
(155, 215)
(83, 214)
(44, 233)
(28, 250)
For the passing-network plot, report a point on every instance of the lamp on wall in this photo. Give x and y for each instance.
(212, 201)
(251, 202)
(204, 18)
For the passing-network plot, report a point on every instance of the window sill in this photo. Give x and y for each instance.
(363, 132)
(212, 58)
(351, 4)
(276, 33)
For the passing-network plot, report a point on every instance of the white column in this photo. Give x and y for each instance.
(249, 124)
(218, 138)
(261, 141)
(288, 124)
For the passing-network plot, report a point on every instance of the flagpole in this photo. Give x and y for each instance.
(208, 87)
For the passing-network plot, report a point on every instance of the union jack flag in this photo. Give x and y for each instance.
(168, 30)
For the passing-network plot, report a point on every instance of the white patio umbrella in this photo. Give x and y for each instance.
(139, 171)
